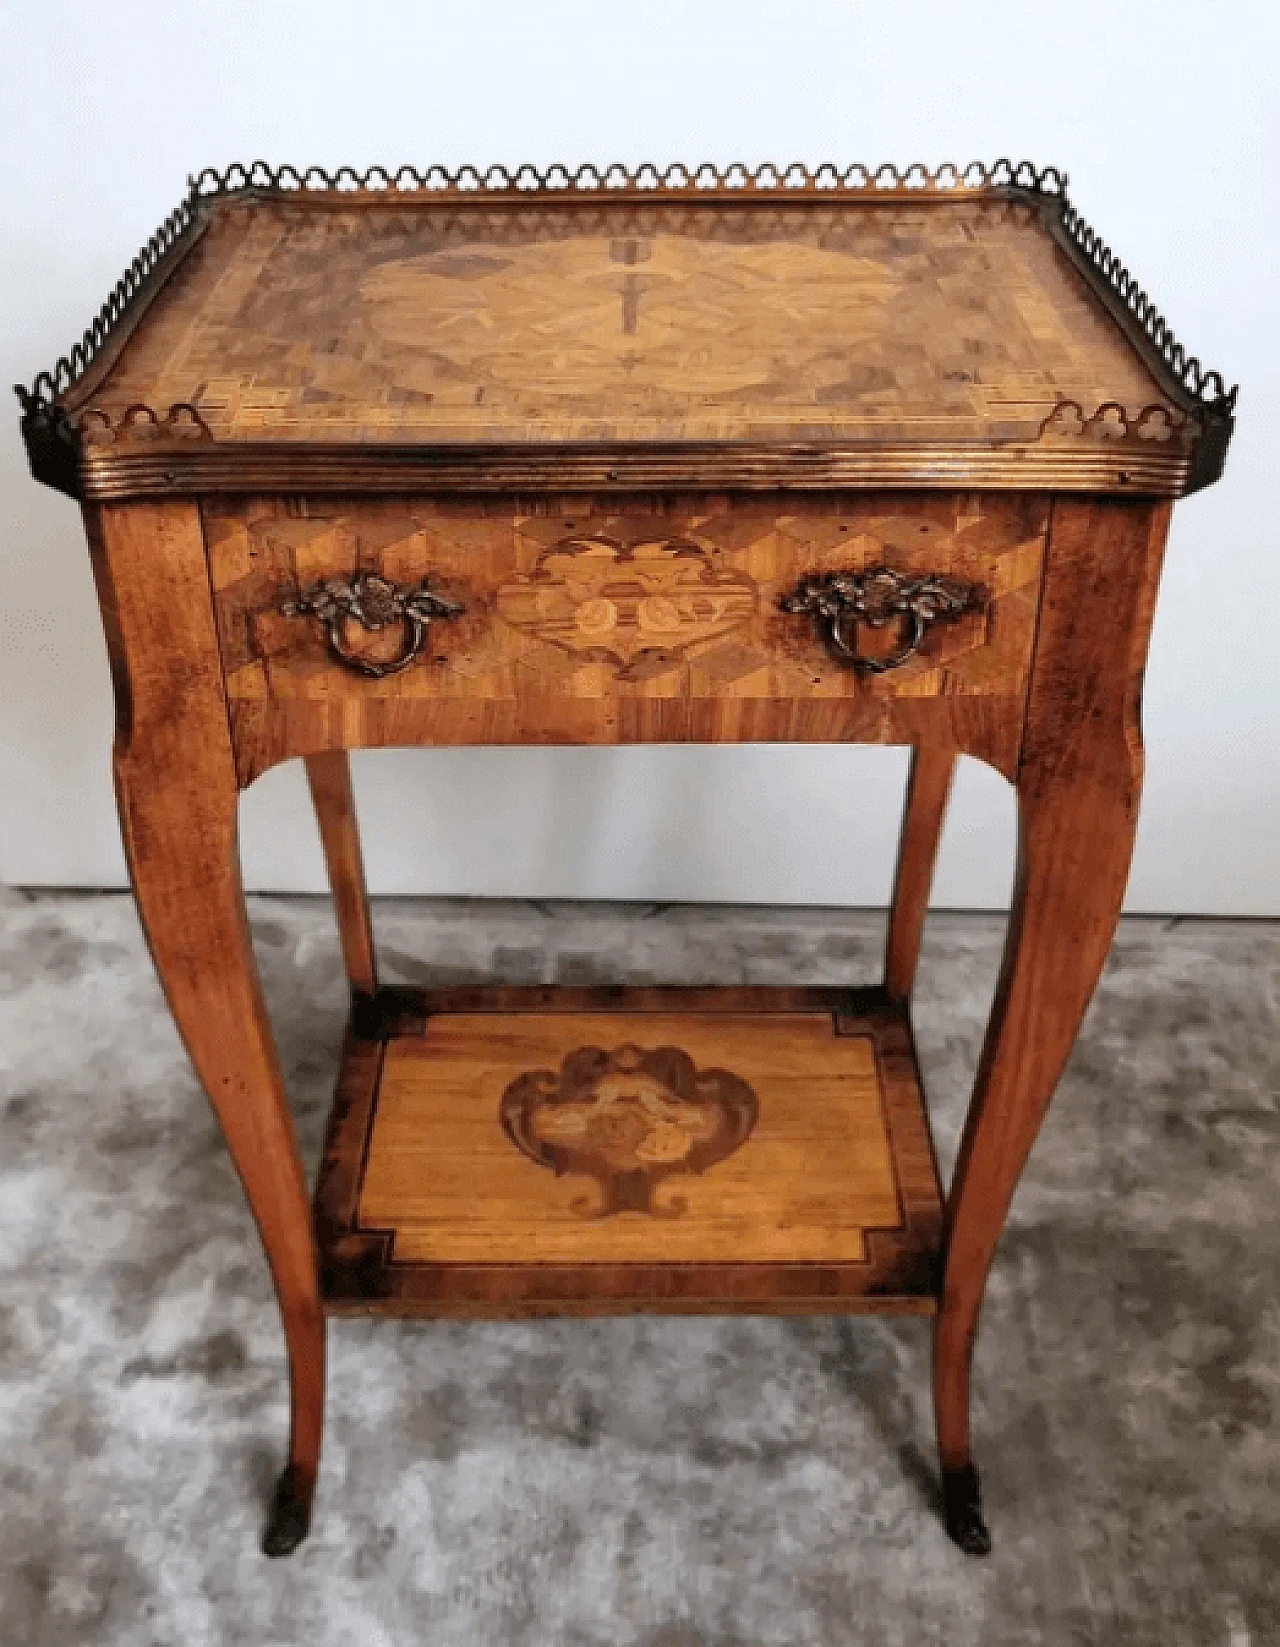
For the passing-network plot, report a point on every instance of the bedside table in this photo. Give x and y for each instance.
(607, 457)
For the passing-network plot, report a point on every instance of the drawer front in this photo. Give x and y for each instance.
(870, 596)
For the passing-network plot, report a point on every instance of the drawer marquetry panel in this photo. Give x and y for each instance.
(598, 603)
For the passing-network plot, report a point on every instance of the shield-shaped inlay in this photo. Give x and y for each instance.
(629, 1119)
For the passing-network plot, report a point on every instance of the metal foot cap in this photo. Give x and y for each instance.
(290, 1515)
(962, 1511)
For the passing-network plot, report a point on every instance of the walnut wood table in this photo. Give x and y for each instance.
(613, 458)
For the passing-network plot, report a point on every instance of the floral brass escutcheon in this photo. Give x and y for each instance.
(629, 1119)
(639, 607)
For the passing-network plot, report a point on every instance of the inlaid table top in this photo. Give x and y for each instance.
(819, 331)
(293, 320)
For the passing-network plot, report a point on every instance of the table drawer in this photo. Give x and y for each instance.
(879, 595)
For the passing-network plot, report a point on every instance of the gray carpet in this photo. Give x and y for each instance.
(662, 1483)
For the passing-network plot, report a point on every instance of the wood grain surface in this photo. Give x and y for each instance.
(543, 321)
(577, 1158)
(588, 622)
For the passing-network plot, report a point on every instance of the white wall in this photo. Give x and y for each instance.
(1163, 113)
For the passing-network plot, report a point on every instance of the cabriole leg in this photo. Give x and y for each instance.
(1078, 787)
(1074, 858)
(177, 792)
(185, 879)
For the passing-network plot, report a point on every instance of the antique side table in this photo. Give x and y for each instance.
(607, 457)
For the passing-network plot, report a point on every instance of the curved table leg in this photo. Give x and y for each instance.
(177, 792)
(1074, 858)
(329, 779)
(188, 891)
(1078, 788)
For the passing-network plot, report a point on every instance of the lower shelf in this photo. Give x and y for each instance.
(601, 1151)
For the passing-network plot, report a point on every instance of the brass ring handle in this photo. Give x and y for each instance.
(839, 601)
(847, 651)
(374, 604)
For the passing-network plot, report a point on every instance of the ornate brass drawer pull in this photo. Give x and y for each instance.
(839, 601)
(373, 603)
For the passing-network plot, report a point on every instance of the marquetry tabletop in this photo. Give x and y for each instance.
(794, 328)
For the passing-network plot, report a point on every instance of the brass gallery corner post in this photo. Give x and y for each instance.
(593, 456)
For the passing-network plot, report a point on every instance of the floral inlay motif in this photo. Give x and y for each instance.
(637, 607)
